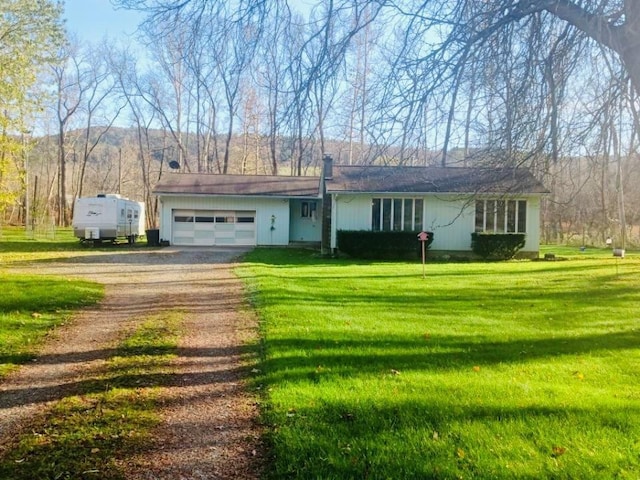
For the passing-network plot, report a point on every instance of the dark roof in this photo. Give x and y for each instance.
(401, 179)
(256, 185)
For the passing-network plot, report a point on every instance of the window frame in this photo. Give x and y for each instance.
(389, 214)
(309, 209)
(500, 215)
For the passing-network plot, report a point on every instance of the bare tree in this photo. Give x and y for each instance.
(101, 108)
(71, 88)
(144, 116)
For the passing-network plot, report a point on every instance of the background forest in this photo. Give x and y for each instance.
(269, 86)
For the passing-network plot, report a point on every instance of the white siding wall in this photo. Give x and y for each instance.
(533, 225)
(451, 218)
(264, 208)
(350, 212)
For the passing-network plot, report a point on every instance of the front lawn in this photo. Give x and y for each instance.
(31, 305)
(482, 370)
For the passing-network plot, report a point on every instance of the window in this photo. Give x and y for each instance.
(417, 213)
(501, 216)
(386, 214)
(204, 219)
(309, 210)
(375, 214)
(521, 219)
(246, 219)
(396, 214)
(407, 217)
(183, 219)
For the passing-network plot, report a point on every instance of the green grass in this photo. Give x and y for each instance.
(16, 245)
(30, 306)
(91, 434)
(574, 253)
(482, 370)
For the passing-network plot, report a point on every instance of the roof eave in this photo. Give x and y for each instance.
(370, 192)
(227, 195)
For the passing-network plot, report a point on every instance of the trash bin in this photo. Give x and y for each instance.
(153, 237)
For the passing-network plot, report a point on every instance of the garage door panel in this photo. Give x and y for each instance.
(181, 240)
(199, 234)
(225, 228)
(214, 227)
(245, 235)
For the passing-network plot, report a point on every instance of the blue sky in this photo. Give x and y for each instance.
(92, 20)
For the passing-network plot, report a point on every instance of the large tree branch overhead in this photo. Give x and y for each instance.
(613, 24)
(596, 26)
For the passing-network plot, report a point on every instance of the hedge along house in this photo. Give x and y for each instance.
(451, 202)
(208, 209)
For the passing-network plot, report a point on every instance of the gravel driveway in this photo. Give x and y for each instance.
(209, 429)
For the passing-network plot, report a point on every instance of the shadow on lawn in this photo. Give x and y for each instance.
(318, 359)
(435, 438)
(551, 302)
(210, 373)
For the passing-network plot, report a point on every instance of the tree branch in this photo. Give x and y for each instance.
(596, 26)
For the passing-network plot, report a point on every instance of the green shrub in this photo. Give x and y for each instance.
(381, 245)
(497, 246)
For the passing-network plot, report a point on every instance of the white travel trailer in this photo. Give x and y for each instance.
(108, 217)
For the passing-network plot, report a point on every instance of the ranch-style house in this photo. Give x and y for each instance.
(452, 202)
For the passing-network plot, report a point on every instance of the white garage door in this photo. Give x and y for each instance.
(213, 227)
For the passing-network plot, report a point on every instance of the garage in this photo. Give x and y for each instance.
(213, 227)
(244, 210)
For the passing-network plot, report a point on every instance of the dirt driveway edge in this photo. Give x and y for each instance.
(209, 428)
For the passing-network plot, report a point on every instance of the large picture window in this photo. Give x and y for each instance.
(501, 216)
(397, 214)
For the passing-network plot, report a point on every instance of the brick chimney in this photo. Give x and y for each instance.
(327, 174)
(327, 166)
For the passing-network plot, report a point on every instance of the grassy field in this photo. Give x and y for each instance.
(91, 434)
(482, 370)
(17, 246)
(31, 305)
